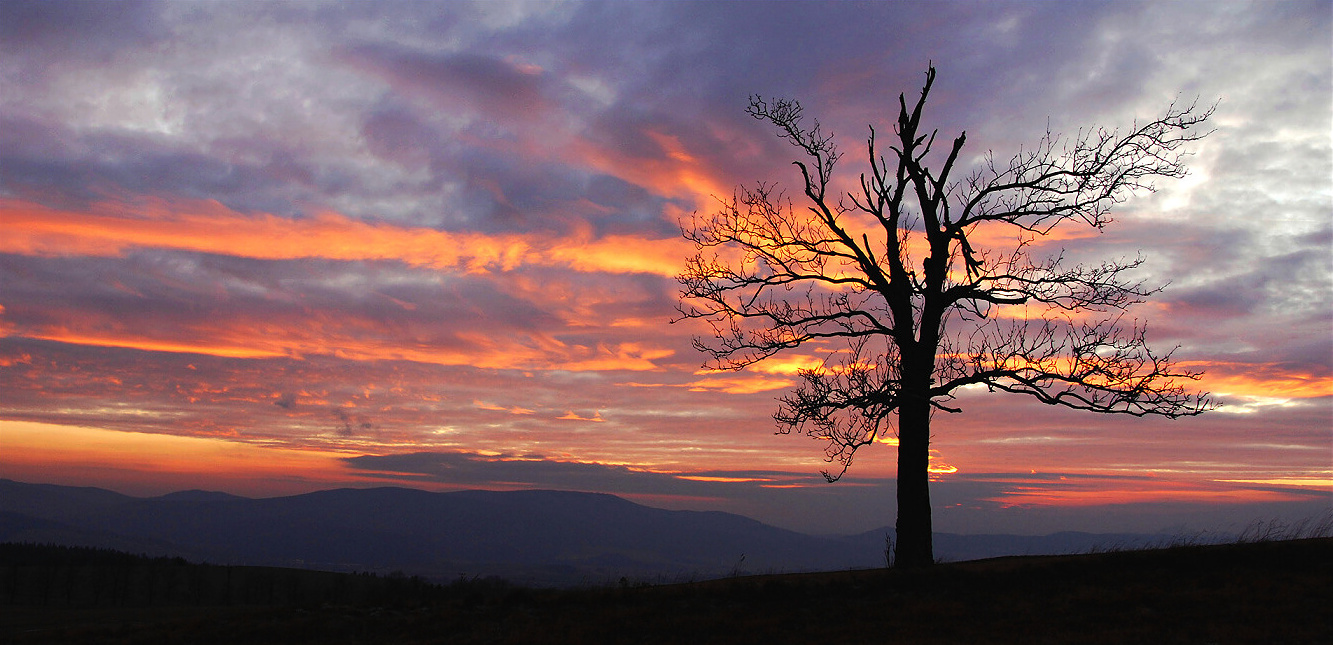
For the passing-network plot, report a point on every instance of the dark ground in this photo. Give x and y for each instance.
(1266, 592)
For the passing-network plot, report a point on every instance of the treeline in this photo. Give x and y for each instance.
(65, 576)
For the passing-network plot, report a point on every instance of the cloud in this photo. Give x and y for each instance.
(537, 471)
(37, 35)
(208, 227)
(484, 85)
(394, 133)
(1009, 498)
(457, 223)
(290, 315)
(286, 400)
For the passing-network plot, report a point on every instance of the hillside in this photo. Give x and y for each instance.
(553, 538)
(537, 537)
(1269, 592)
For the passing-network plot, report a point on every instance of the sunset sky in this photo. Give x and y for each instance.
(271, 248)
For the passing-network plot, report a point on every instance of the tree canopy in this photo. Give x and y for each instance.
(901, 283)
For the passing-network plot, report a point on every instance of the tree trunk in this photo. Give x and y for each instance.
(915, 546)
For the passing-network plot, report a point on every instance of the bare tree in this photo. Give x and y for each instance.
(840, 275)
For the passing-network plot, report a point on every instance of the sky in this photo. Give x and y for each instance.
(277, 247)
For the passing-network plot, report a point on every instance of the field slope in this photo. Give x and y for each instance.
(1265, 592)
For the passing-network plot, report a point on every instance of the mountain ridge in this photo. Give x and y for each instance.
(544, 537)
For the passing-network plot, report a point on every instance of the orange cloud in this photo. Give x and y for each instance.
(1259, 380)
(937, 467)
(1045, 497)
(788, 364)
(621, 254)
(110, 229)
(723, 480)
(571, 416)
(62, 335)
(1303, 482)
(499, 408)
(1099, 492)
(241, 337)
(676, 173)
(739, 384)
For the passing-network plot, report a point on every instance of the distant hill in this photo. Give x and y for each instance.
(197, 496)
(16, 527)
(530, 537)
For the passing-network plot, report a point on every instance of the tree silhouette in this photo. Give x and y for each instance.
(902, 337)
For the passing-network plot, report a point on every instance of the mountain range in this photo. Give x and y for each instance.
(538, 537)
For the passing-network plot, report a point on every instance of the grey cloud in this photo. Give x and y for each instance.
(43, 158)
(41, 33)
(286, 401)
(178, 295)
(395, 133)
(628, 209)
(1292, 288)
(519, 195)
(498, 192)
(1289, 167)
(489, 86)
(351, 425)
(1232, 297)
(1286, 284)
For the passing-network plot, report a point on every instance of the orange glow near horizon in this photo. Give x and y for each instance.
(1302, 482)
(1047, 497)
(43, 451)
(160, 463)
(1096, 491)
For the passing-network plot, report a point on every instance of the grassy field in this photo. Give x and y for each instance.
(1263, 592)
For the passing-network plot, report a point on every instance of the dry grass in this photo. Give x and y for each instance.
(1252, 592)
